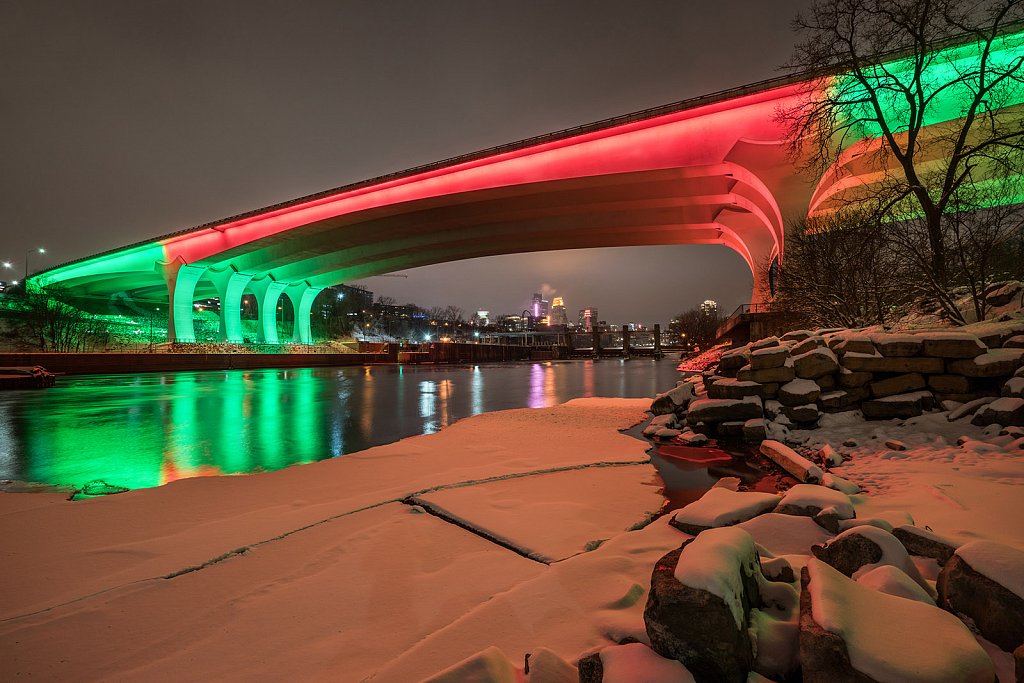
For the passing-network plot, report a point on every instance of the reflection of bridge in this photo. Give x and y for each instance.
(711, 170)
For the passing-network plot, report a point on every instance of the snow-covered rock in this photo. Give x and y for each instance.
(924, 543)
(631, 663)
(805, 415)
(791, 461)
(891, 580)
(851, 632)
(865, 547)
(711, 410)
(984, 580)
(901, 405)
(720, 507)
(1014, 387)
(674, 399)
(777, 375)
(839, 484)
(768, 358)
(862, 362)
(755, 429)
(897, 345)
(799, 392)
(734, 388)
(1002, 411)
(815, 363)
(829, 456)
(994, 363)
(969, 408)
(951, 345)
(826, 505)
(489, 666)
(900, 384)
(857, 343)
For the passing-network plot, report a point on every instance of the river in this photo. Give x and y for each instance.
(149, 429)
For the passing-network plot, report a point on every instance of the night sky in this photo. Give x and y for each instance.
(124, 120)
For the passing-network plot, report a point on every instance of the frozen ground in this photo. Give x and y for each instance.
(507, 529)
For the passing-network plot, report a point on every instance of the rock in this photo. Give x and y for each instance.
(804, 414)
(895, 444)
(892, 581)
(730, 428)
(900, 406)
(754, 429)
(623, 663)
(1002, 293)
(1018, 664)
(951, 345)
(854, 344)
(867, 546)
(711, 410)
(771, 375)
(897, 345)
(985, 581)
(666, 433)
(864, 363)
(815, 342)
(890, 638)
(1002, 411)
(969, 408)
(829, 456)
(768, 358)
(720, 507)
(790, 461)
(734, 388)
(1014, 387)
(1014, 342)
(799, 392)
(730, 362)
(851, 379)
(692, 439)
(488, 666)
(815, 363)
(673, 400)
(544, 666)
(994, 363)
(949, 384)
(899, 384)
(796, 335)
(698, 608)
(837, 401)
(924, 543)
(808, 500)
(839, 484)
(764, 343)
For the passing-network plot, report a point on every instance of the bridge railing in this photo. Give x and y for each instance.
(737, 317)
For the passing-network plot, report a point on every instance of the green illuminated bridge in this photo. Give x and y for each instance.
(711, 170)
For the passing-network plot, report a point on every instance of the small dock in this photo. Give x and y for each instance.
(26, 377)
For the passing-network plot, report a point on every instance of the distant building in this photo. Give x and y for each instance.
(559, 316)
(483, 318)
(540, 308)
(587, 319)
(709, 307)
(358, 298)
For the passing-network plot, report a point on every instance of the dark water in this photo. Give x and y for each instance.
(149, 429)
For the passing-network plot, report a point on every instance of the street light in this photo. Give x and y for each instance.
(40, 250)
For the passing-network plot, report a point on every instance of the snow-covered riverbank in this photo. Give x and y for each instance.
(505, 530)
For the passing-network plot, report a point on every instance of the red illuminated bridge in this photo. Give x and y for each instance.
(712, 170)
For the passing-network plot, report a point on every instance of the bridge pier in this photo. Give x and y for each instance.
(302, 296)
(181, 279)
(230, 285)
(267, 291)
(625, 340)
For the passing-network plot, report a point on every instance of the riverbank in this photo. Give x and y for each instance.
(507, 529)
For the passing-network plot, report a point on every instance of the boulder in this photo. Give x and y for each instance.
(711, 410)
(860, 362)
(698, 608)
(890, 580)
(850, 378)
(900, 384)
(1014, 387)
(730, 428)
(799, 392)
(764, 343)
(994, 363)
(826, 382)
(855, 634)
(693, 439)
(1018, 665)
(924, 543)
(829, 456)
(768, 358)
(1014, 342)
(808, 500)
(854, 344)
(796, 335)
(734, 388)
(815, 363)
(754, 429)
(868, 546)
(791, 461)
(899, 406)
(720, 507)
(985, 581)
(949, 384)
(897, 345)
(804, 414)
(730, 362)
(626, 663)
(815, 342)
(781, 374)
(673, 400)
(951, 345)
(969, 408)
(1002, 411)
(1002, 293)
(837, 401)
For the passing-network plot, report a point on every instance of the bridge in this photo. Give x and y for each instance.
(708, 170)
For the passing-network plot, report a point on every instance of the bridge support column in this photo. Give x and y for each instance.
(625, 340)
(302, 296)
(230, 286)
(181, 279)
(267, 291)
(657, 339)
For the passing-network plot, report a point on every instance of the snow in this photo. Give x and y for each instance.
(814, 496)
(893, 581)
(789, 460)
(892, 639)
(801, 387)
(489, 666)
(785, 534)
(637, 663)
(893, 552)
(722, 507)
(714, 561)
(1001, 563)
(969, 408)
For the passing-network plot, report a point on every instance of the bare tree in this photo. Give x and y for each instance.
(697, 324)
(47, 321)
(920, 97)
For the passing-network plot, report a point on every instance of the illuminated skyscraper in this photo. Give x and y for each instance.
(709, 307)
(588, 318)
(558, 315)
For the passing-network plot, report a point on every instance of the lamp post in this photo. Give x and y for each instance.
(40, 250)
(9, 266)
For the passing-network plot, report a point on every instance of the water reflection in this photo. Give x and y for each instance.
(150, 429)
